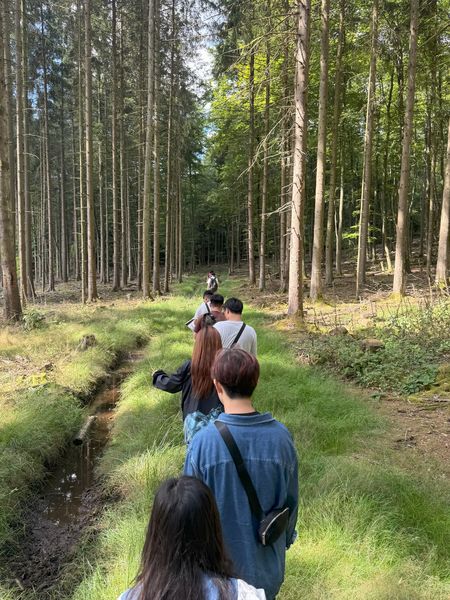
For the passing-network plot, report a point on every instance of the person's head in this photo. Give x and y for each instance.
(235, 373)
(232, 309)
(183, 543)
(211, 274)
(207, 343)
(216, 301)
(207, 295)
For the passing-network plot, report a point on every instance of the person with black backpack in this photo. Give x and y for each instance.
(212, 283)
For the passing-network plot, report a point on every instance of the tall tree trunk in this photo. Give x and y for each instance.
(442, 259)
(295, 306)
(335, 141)
(383, 207)
(340, 218)
(76, 270)
(262, 242)
(12, 307)
(251, 151)
(62, 186)
(114, 148)
(148, 152)
(51, 276)
(316, 276)
(91, 256)
(156, 174)
(402, 216)
(81, 140)
(168, 236)
(20, 150)
(122, 168)
(367, 165)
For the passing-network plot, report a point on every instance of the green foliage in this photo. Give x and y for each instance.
(33, 319)
(416, 339)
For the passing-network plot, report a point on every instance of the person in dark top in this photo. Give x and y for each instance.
(193, 378)
(214, 316)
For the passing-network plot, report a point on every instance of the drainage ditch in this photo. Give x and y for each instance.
(71, 498)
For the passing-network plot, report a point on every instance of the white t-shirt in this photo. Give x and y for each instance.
(228, 331)
(201, 310)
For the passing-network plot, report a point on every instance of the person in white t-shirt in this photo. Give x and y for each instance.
(233, 331)
(203, 309)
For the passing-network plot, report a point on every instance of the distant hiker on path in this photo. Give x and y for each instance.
(234, 331)
(184, 556)
(216, 314)
(212, 283)
(203, 309)
(193, 378)
(266, 450)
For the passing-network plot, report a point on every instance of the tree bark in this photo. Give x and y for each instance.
(367, 165)
(156, 173)
(148, 152)
(335, 141)
(315, 291)
(20, 151)
(91, 254)
(114, 165)
(262, 241)
(402, 216)
(251, 143)
(442, 259)
(12, 307)
(295, 299)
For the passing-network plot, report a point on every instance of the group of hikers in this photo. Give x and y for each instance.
(221, 531)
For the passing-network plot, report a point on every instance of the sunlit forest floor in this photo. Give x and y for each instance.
(374, 471)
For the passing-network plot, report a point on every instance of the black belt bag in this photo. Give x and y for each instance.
(271, 525)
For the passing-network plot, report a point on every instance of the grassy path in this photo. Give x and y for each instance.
(367, 529)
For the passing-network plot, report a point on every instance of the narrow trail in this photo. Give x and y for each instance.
(72, 497)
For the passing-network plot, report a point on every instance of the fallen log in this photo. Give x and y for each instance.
(81, 435)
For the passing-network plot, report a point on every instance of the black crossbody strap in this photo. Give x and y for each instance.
(207, 308)
(236, 339)
(241, 469)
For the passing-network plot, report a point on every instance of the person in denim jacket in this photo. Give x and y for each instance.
(269, 455)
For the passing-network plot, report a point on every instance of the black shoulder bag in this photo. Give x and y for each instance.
(239, 333)
(275, 522)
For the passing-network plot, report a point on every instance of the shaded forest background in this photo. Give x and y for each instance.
(321, 134)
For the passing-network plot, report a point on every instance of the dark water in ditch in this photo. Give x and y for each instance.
(70, 500)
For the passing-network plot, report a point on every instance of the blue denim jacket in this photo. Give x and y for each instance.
(269, 455)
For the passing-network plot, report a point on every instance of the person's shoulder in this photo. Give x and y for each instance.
(206, 436)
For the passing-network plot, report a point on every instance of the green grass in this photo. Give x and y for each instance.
(38, 420)
(368, 530)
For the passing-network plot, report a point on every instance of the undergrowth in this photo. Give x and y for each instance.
(415, 341)
(367, 529)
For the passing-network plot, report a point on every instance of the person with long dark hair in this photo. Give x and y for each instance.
(184, 556)
(193, 378)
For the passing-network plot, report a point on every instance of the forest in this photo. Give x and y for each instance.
(301, 149)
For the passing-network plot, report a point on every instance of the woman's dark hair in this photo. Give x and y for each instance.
(183, 544)
(237, 371)
(207, 343)
(208, 293)
(234, 305)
